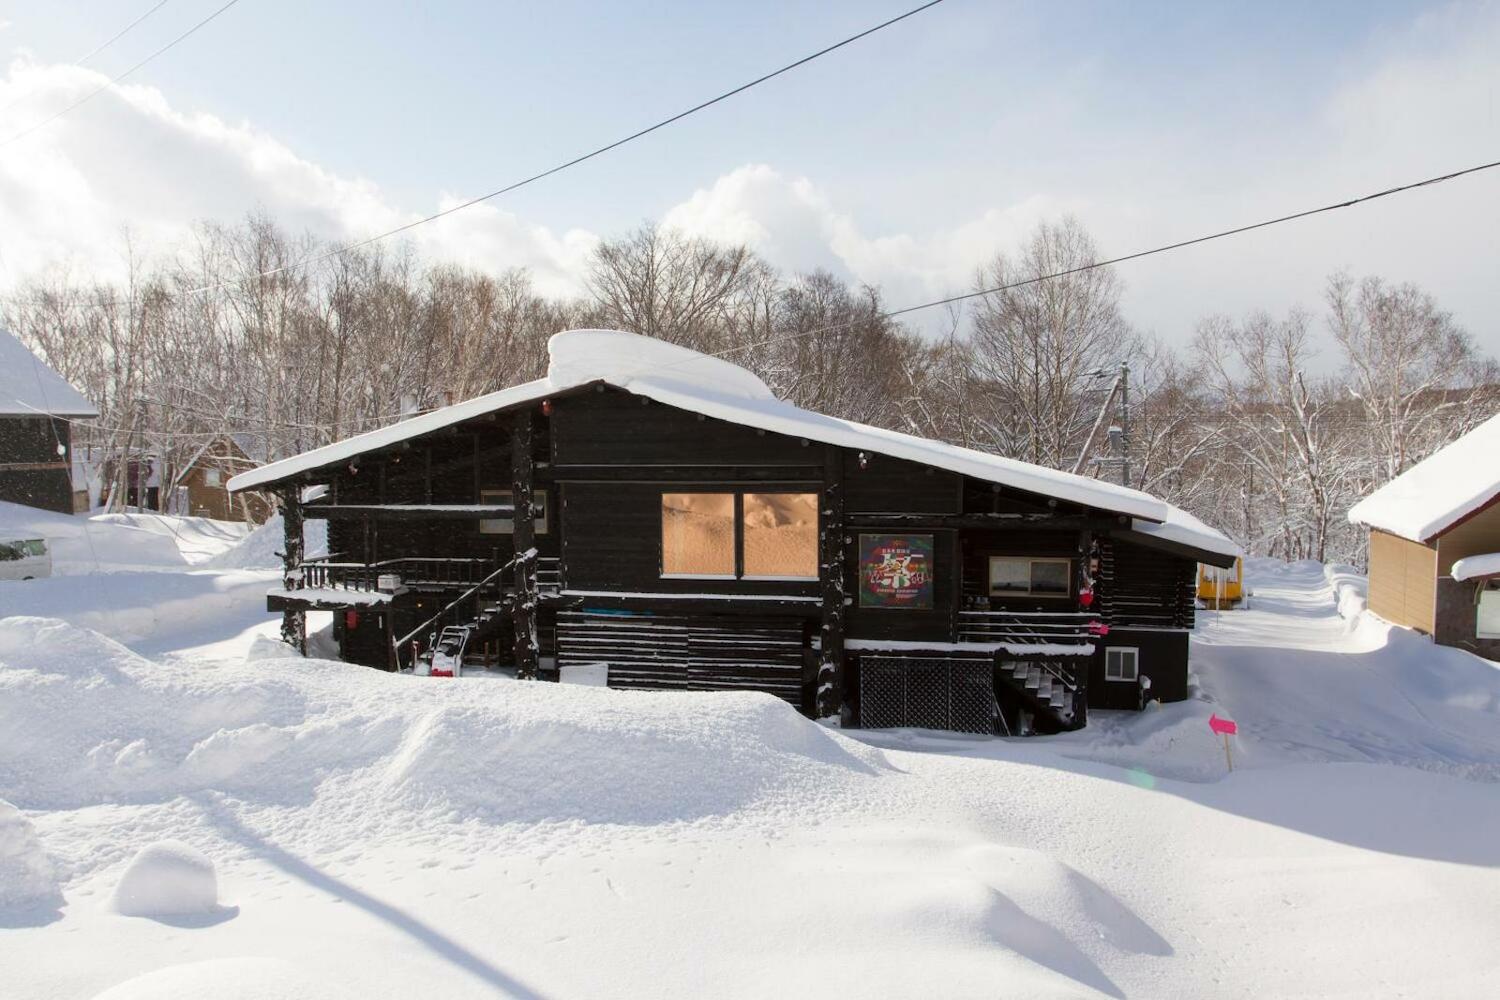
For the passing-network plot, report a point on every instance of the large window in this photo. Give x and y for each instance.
(754, 536)
(505, 525)
(1121, 663)
(697, 535)
(781, 536)
(1024, 576)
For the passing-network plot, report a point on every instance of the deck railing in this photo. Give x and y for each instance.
(327, 574)
(415, 571)
(1052, 628)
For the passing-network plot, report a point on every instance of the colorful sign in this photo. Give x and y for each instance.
(895, 571)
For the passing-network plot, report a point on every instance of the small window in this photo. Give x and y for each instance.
(505, 525)
(1022, 576)
(35, 547)
(780, 536)
(1487, 617)
(210, 477)
(1121, 663)
(697, 535)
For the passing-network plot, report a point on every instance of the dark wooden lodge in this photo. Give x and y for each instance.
(37, 407)
(656, 510)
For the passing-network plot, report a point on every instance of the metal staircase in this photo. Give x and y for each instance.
(1048, 690)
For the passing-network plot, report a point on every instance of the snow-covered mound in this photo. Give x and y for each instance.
(167, 879)
(26, 878)
(110, 543)
(226, 979)
(262, 547)
(83, 720)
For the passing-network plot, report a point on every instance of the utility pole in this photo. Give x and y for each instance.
(1124, 423)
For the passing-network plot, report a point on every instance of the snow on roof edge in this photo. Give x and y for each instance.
(677, 376)
(1185, 529)
(1444, 488)
(1474, 567)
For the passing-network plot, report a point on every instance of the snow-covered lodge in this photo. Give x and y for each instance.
(37, 406)
(1435, 544)
(658, 510)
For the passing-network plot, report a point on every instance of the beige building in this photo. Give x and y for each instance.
(1435, 544)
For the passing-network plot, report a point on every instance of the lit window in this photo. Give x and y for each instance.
(1487, 620)
(505, 525)
(1019, 576)
(781, 536)
(1120, 664)
(697, 535)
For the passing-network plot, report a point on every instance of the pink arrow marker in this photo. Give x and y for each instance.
(1224, 727)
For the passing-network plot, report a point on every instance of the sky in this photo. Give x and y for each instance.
(904, 160)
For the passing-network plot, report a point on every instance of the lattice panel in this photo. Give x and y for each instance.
(901, 691)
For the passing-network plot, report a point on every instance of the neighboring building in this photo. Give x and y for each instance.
(693, 532)
(1435, 544)
(36, 405)
(203, 490)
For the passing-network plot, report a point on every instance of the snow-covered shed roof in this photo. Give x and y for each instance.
(1477, 567)
(30, 387)
(684, 378)
(1439, 491)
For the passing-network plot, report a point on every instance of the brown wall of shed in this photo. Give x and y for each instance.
(1403, 580)
(1476, 535)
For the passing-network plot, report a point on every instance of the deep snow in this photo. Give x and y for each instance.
(391, 836)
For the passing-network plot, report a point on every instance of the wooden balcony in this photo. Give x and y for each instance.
(420, 573)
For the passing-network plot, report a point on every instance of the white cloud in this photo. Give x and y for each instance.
(127, 158)
(1429, 103)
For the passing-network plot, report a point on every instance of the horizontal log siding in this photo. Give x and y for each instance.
(1142, 587)
(692, 653)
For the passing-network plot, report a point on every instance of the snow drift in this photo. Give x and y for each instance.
(26, 878)
(167, 879)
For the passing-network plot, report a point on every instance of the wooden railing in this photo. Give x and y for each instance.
(325, 574)
(1060, 628)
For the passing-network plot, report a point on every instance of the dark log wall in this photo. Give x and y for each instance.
(31, 470)
(1145, 587)
(616, 428)
(1161, 656)
(979, 546)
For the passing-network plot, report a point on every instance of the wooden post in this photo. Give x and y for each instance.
(523, 610)
(1084, 576)
(830, 681)
(293, 621)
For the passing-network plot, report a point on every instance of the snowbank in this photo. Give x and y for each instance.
(167, 879)
(260, 549)
(227, 979)
(26, 879)
(83, 720)
(108, 543)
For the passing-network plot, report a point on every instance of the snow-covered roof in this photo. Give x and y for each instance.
(1185, 529)
(684, 378)
(1439, 491)
(1474, 567)
(30, 387)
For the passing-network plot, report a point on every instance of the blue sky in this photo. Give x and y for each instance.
(904, 159)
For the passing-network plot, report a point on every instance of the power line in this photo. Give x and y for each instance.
(891, 314)
(114, 80)
(120, 34)
(96, 50)
(600, 151)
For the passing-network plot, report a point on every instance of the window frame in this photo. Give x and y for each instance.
(540, 524)
(739, 574)
(1135, 664)
(1030, 591)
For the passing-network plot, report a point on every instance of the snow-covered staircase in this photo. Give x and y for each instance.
(1045, 688)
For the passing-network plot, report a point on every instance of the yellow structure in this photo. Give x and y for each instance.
(1221, 588)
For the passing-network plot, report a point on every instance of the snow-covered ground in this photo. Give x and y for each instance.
(368, 835)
